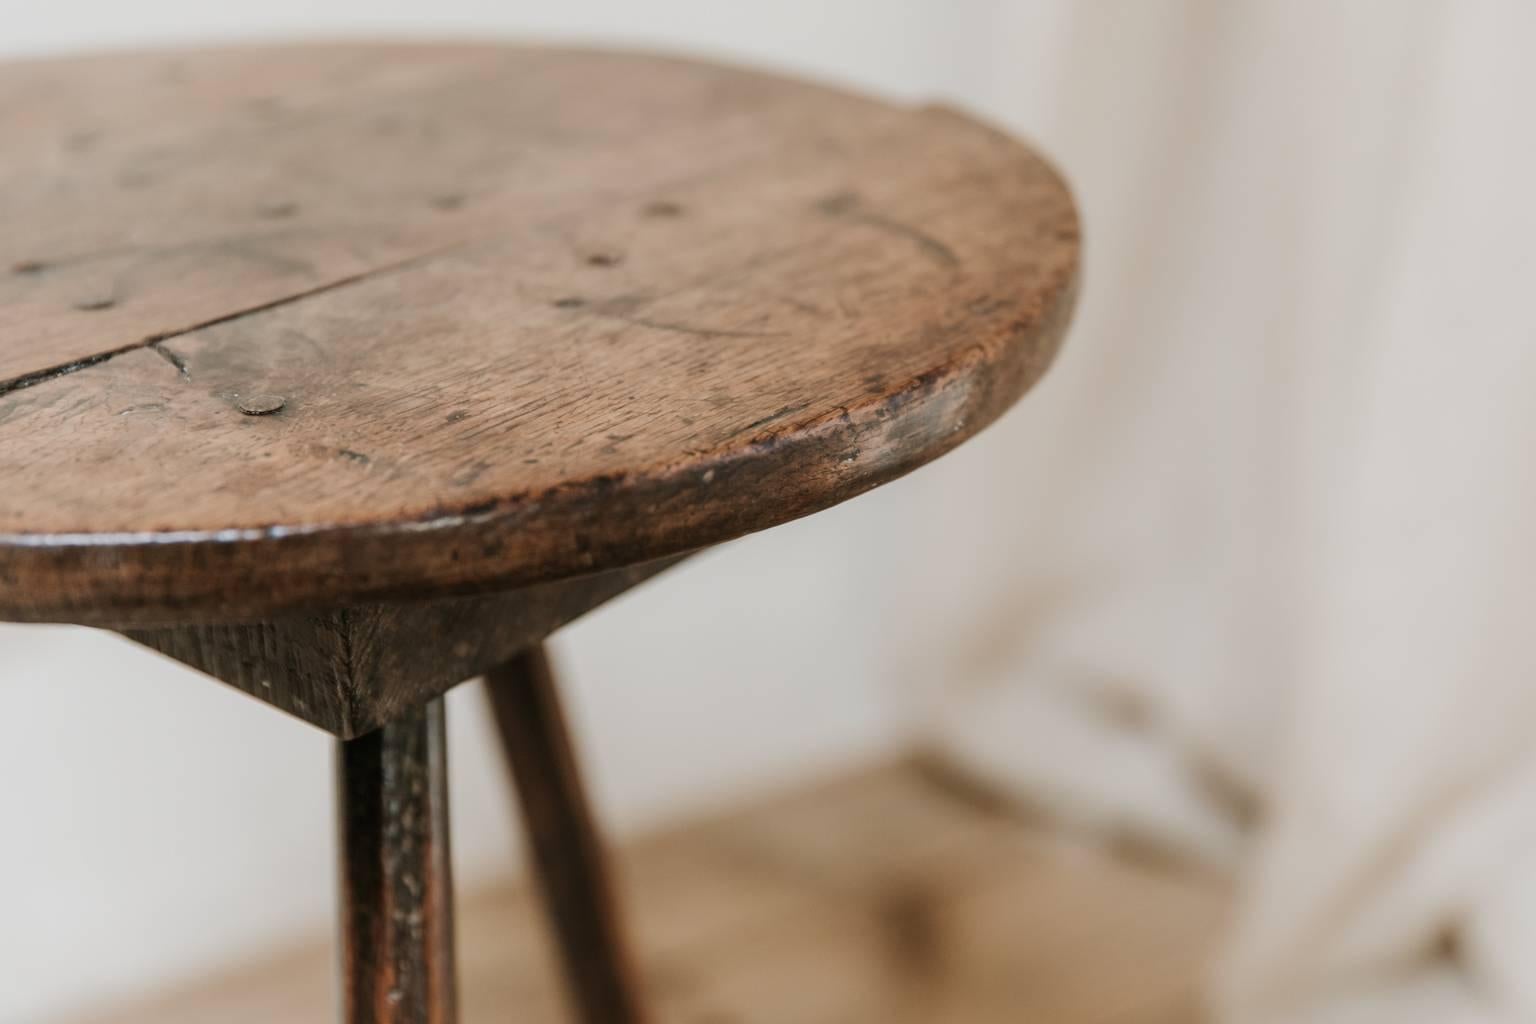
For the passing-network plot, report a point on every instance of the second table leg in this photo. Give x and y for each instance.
(567, 852)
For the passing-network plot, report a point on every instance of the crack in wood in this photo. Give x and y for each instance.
(153, 341)
(36, 377)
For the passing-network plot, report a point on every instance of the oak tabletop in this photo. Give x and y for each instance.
(293, 327)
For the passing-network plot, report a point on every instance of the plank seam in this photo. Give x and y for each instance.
(154, 341)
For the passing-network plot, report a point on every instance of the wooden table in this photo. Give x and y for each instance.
(346, 373)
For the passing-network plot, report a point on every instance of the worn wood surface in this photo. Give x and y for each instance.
(287, 328)
(397, 931)
(563, 838)
(350, 670)
(869, 900)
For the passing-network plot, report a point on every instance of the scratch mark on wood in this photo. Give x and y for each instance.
(788, 410)
(619, 309)
(174, 358)
(847, 206)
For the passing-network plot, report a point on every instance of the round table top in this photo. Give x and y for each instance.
(290, 327)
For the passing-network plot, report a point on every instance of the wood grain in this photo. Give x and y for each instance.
(351, 670)
(397, 932)
(563, 838)
(286, 328)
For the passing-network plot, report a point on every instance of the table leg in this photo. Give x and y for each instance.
(396, 880)
(567, 852)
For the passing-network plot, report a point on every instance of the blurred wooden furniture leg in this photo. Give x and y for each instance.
(396, 876)
(567, 852)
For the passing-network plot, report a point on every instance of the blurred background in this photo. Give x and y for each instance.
(1237, 597)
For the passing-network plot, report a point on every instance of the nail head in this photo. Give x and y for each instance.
(259, 405)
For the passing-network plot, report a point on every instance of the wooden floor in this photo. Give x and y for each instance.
(877, 899)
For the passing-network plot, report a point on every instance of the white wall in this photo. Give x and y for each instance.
(157, 823)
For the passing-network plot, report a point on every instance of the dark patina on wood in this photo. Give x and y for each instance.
(396, 873)
(578, 895)
(352, 670)
(359, 323)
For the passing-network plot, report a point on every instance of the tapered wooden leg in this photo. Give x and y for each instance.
(567, 852)
(396, 882)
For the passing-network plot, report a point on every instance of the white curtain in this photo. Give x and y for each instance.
(1259, 580)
